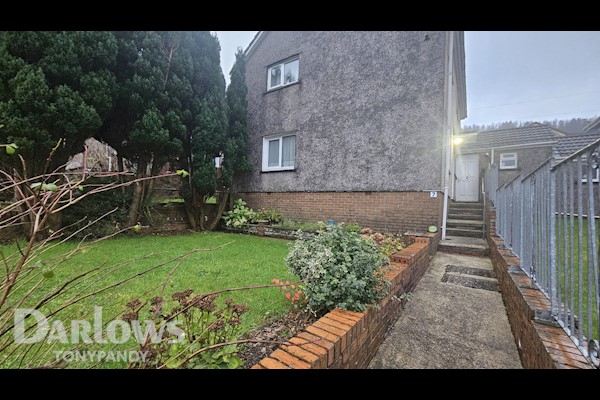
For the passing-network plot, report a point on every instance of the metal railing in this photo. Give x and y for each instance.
(490, 183)
(549, 219)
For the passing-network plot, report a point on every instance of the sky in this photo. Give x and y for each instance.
(518, 76)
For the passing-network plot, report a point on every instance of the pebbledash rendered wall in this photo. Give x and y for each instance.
(368, 113)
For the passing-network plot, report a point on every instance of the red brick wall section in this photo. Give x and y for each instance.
(395, 212)
(541, 345)
(347, 339)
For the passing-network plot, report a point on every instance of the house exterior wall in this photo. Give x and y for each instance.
(369, 114)
(368, 111)
(528, 160)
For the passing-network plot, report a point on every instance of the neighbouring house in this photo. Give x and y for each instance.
(354, 126)
(516, 152)
(100, 157)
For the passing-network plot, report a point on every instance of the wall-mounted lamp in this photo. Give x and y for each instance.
(457, 140)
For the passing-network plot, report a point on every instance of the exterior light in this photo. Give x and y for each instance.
(458, 140)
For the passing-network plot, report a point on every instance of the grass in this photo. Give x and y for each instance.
(170, 200)
(210, 200)
(564, 273)
(248, 260)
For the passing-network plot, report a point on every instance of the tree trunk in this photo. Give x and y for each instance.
(136, 200)
(213, 224)
(121, 168)
(191, 215)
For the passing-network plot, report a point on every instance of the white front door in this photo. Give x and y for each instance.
(467, 178)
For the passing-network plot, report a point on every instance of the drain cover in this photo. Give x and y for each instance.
(470, 277)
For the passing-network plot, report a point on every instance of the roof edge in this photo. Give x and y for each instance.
(592, 125)
(253, 43)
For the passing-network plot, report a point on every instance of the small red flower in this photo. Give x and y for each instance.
(287, 295)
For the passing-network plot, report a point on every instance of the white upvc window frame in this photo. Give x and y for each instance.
(512, 156)
(584, 165)
(265, 153)
(282, 66)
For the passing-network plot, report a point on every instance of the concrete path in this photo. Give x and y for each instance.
(455, 319)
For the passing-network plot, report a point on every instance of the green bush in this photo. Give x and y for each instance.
(305, 226)
(93, 207)
(338, 269)
(273, 216)
(240, 216)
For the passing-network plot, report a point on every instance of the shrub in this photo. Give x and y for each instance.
(205, 326)
(292, 293)
(388, 242)
(338, 269)
(353, 227)
(94, 207)
(273, 216)
(305, 226)
(240, 216)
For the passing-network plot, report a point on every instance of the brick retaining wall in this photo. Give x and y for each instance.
(541, 342)
(346, 339)
(395, 212)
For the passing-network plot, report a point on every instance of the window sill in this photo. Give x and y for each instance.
(268, 171)
(509, 169)
(282, 87)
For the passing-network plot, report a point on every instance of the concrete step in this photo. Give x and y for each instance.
(459, 215)
(469, 246)
(460, 210)
(478, 233)
(466, 211)
(471, 281)
(466, 205)
(464, 224)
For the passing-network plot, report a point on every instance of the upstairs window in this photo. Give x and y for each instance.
(508, 160)
(282, 74)
(279, 153)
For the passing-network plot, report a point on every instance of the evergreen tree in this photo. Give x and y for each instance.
(236, 149)
(143, 126)
(54, 86)
(205, 135)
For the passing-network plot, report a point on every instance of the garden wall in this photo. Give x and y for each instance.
(346, 339)
(542, 343)
(395, 212)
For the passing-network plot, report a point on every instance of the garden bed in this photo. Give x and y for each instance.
(272, 334)
(270, 231)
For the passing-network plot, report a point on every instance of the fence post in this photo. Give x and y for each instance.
(552, 234)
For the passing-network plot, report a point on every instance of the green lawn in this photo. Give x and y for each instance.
(247, 260)
(564, 273)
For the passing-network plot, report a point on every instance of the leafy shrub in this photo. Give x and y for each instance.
(338, 269)
(352, 227)
(388, 242)
(93, 207)
(292, 293)
(273, 216)
(240, 216)
(205, 326)
(305, 226)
